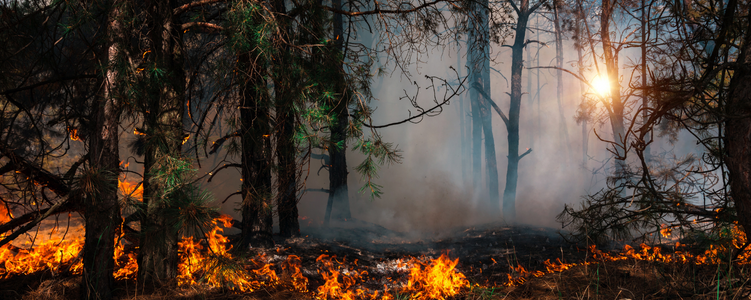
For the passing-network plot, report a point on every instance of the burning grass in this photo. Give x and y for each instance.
(209, 269)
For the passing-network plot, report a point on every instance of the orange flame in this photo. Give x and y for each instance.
(437, 279)
(130, 188)
(73, 134)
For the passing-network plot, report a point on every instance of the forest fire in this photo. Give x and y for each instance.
(209, 262)
(55, 256)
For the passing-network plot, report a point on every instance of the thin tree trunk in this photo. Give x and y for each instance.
(585, 118)
(474, 61)
(482, 81)
(559, 75)
(479, 63)
(645, 93)
(615, 107)
(517, 52)
(531, 97)
(338, 202)
(463, 136)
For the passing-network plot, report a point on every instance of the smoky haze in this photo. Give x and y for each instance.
(432, 190)
(429, 191)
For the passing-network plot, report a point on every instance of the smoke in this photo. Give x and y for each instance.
(429, 192)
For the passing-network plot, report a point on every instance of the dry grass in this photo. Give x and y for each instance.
(637, 280)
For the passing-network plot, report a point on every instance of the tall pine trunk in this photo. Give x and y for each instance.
(102, 207)
(285, 143)
(158, 259)
(644, 91)
(615, 106)
(559, 75)
(738, 134)
(517, 52)
(338, 202)
(582, 88)
(256, 159)
(479, 61)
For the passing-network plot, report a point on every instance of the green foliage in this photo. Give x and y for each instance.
(377, 153)
(247, 29)
(181, 201)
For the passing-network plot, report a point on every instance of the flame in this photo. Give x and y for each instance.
(130, 188)
(47, 255)
(5, 215)
(437, 279)
(73, 134)
(208, 261)
(666, 231)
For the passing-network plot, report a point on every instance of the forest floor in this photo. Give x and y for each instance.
(498, 262)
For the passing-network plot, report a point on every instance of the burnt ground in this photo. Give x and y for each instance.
(486, 252)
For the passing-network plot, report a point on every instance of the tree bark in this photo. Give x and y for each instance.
(479, 61)
(475, 62)
(256, 159)
(286, 151)
(563, 129)
(738, 135)
(582, 88)
(517, 52)
(158, 259)
(338, 202)
(102, 208)
(644, 91)
(615, 106)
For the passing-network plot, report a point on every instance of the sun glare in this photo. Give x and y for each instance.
(601, 85)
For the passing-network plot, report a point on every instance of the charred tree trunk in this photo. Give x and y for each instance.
(285, 143)
(738, 135)
(102, 206)
(644, 91)
(475, 62)
(287, 174)
(517, 52)
(256, 159)
(479, 60)
(338, 202)
(157, 259)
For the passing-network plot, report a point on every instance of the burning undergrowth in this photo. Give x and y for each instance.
(490, 262)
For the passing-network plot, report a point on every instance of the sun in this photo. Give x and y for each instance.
(601, 85)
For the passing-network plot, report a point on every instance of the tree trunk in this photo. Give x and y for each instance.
(102, 207)
(157, 259)
(738, 135)
(517, 52)
(475, 62)
(615, 107)
(480, 79)
(582, 88)
(286, 151)
(644, 91)
(563, 129)
(289, 226)
(256, 159)
(338, 202)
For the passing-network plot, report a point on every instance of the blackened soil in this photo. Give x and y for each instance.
(486, 253)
